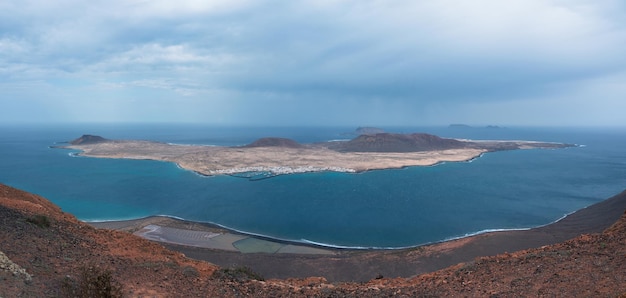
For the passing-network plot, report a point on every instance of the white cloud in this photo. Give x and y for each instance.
(180, 8)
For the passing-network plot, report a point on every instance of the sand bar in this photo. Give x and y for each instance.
(201, 235)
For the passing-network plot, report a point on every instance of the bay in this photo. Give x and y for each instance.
(387, 208)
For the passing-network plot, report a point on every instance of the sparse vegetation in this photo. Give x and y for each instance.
(92, 282)
(39, 220)
(157, 264)
(467, 267)
(240, 274)
(189, 271)
(59, 258)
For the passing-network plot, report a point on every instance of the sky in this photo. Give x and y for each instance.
(322, 62)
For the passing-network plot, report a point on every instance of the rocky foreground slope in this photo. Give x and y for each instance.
(50, 253)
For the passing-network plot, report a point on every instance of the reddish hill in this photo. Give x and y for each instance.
(88, 139)
(274, 142)
(391, 142)
(55, 249)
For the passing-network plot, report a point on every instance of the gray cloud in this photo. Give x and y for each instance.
(385, 61)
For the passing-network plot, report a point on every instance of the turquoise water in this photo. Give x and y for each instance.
(387, 208)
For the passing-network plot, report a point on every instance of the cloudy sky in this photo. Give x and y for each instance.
(361, 62)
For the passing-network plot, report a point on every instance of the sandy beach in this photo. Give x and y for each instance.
(201, 235)
(275, 259)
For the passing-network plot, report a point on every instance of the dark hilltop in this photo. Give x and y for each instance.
(392, 142)
(373, 142)
(88, 139)
(370, 141)
(274, 142)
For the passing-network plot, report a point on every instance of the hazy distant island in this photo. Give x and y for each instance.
(368, 130)
(460, 125)
(270, 156)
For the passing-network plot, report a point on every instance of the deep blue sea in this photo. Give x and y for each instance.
(387, 208)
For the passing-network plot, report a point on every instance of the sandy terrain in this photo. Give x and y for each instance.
(267, 157)
(209, 160)
(201, 235)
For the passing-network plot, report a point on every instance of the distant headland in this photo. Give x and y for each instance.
(270, 156)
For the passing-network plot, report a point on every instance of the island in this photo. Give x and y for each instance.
(271, 156)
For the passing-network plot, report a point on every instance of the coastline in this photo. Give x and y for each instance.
(213, 160)
(268, 157)
(173, 230)
(362, 265)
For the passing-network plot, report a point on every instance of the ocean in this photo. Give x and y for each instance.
(378, 209)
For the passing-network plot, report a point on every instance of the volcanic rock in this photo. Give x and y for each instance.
(391, 142)
(88, 139)
(274, 142)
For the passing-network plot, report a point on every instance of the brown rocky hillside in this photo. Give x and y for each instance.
(274, 142)
(46, 252)
(392, 142)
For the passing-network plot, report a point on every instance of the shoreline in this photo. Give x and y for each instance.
(337, 264)
(135, 225)
(168, 229)
(268, 157)
(270, 174)
(364, 161)
(273, 171)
